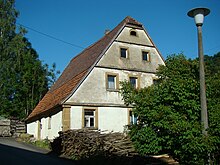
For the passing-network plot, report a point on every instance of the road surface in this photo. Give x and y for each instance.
(15, 153)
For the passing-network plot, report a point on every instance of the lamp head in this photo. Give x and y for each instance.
(198, 14)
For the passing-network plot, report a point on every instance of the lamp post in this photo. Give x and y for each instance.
(198, 14)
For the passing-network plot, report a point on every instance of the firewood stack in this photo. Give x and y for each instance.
(86, 143)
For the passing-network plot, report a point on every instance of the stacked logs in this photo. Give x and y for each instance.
(86, 143)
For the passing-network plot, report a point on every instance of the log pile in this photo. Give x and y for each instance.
(86, 143)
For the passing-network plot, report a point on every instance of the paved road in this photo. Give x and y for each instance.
(14, 153)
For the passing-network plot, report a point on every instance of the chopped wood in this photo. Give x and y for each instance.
(85, 143)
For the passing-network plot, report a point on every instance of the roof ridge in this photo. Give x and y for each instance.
(132, 21)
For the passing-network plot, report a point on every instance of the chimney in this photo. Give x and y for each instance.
(107, 31)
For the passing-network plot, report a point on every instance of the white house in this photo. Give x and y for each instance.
(87, 92)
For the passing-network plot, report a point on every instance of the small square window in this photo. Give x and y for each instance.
(145, 56)
(124, 53)
(133, 81)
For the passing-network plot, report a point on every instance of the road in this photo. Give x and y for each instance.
(15, 153)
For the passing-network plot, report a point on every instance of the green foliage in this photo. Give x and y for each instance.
(23, 77)
(169, 113)
(45, 144)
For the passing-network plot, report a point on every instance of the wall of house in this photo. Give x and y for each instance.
(44, 128)
(46, 132)
(32, 128)
(76, 117)
(112, 118)
(141, 38)
(94, 89)
(109, 118)
(56, 125)
(135, 46)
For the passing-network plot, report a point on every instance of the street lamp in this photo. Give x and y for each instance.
(198, 14)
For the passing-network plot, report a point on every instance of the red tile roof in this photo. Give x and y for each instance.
(77, 69)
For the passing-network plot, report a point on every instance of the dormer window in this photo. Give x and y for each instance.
(133, 33)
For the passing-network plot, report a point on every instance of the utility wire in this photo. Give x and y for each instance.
(49, 36)
(210, 49)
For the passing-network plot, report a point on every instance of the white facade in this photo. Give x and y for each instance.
(109, 118)
(76, 117)
(32, 128)
(48, 127)
(113, 119)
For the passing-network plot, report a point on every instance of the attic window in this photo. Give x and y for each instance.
(145, 56)
(133, 33)
(124, 52)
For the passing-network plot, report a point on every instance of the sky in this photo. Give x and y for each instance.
(60, 29)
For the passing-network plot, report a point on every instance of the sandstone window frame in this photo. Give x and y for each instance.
(49, 122)
(124, 52)
(109, 77)
(146, 56)
(133, 33)
(132, 118)
(94, 117)
(137, 80)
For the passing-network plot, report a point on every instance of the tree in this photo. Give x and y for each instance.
(23, 78)
(169, 114)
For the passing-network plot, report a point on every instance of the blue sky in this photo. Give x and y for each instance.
(83, 22)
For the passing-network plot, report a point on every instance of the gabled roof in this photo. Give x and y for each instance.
(77, 70)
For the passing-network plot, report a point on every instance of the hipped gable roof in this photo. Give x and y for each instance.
(77, 70)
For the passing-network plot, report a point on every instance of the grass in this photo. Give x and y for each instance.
(44, 144)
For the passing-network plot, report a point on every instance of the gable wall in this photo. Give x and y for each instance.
(135, 46)
(93, 90)
(141, 38)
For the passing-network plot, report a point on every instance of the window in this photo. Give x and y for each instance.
(124, 53)
(49, 122)
(112, 82)
(133, 81)
(145, 56)
(133, 33)
(89, 118)
(133, 118)
(155, 81)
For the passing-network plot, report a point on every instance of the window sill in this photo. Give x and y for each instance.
(112, 90)
(146, 61)
(90, 128)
